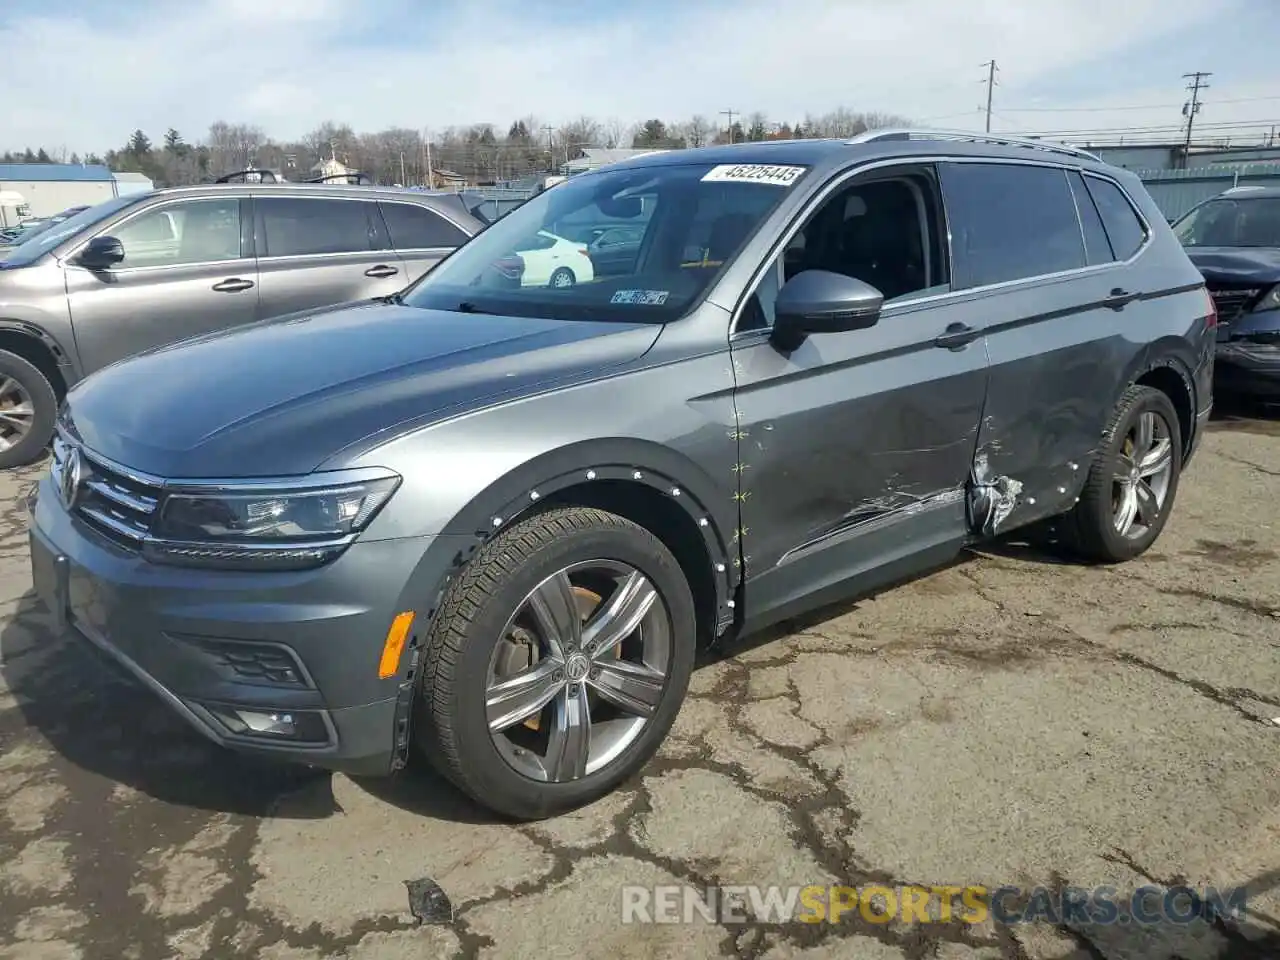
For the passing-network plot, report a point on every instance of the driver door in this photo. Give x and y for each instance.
(855, 448)
(187, 271)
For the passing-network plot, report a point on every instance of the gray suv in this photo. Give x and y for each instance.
(490, 523)
(143, 271)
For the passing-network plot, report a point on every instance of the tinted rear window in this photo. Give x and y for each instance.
(414, 228)
(1125, 230)
(299, 226)
(1010, 222)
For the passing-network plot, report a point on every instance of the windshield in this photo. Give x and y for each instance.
(1232, 222)
(28, 230)
(40, 244)
(685, 223)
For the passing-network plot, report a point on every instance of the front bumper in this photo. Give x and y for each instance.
(1247, 367)
(214, 644)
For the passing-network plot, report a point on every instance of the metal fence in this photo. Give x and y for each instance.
(1177, 191)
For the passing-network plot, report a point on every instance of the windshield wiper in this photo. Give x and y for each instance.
(466, 306)
(394, 298)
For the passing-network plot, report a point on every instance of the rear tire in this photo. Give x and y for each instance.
(28, 410)
(1130, 491)
(478, 728)
(562, 279)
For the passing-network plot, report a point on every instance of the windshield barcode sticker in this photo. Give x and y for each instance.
(754, 173)
(640, 298)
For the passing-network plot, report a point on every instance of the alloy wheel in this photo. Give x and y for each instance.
(579, 671)
(1144, 470)
(17, 413)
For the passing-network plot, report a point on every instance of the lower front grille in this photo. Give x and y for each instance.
(116, 504)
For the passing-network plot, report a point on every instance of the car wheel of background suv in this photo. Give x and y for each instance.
(557, 662)
(1132, 484)
(28, 409)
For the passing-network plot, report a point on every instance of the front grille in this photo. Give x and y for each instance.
(1232, 303)
(119, 506)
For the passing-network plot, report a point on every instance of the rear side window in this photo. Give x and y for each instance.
(1126, 231)
(301, 226)
(1010, 222)
(414, 228)
(1096, 245)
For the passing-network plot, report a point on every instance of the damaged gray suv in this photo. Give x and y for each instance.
(490, 522)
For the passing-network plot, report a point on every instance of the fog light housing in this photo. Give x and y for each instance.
(295, 726)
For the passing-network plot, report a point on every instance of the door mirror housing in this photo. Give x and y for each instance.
(817, 301)
(101, 253)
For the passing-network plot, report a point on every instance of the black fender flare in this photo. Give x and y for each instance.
(1162, 355)
(61, 357)
(713, 510)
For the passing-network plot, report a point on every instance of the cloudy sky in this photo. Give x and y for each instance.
(82, 74)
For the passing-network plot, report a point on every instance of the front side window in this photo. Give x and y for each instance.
(887, 232)
(84, 220)
(1010, 222)
(1232, 222)
(192, 231)
(305, 226)
(687, 221)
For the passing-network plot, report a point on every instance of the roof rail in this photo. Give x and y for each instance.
(354, 178)
(904, 133)
(249, 176)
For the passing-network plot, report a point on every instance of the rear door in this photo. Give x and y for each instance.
(188, 270)
(421, 236)
(1027, 241)
(314, 251)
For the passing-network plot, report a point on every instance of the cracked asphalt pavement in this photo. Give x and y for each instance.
(1008, 720)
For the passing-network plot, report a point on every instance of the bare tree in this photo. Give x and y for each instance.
(698, 131)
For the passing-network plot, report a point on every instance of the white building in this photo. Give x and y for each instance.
(595, 157)
(127, 184)
(49, 188)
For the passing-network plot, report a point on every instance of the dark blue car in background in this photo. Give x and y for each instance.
(1234, 239)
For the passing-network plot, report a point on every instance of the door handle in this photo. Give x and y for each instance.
(1119, 299)
(234, 285)
(381, 271)
(957, 337)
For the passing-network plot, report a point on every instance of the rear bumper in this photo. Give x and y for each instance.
(229, 651)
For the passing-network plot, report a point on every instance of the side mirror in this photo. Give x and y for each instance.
(817, 301)
(101, 253)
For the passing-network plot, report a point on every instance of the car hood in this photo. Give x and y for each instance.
(1237, 265)
(280, 397)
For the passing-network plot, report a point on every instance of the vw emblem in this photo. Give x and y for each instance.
(577, 667)
(69, 478)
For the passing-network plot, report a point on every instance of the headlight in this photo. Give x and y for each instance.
(265, 529)
(1269, 301)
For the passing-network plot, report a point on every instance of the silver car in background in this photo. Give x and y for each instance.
(146, 270)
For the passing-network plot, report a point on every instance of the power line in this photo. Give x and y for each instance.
(990, 81)
(1192, 106)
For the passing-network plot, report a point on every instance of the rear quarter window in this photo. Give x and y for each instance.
(1124, 228)
(1010, 222)
(412, 227)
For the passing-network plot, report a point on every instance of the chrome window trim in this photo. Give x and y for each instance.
(150, 208)
(951, 296)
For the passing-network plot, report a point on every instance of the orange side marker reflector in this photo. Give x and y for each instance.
(389, 665)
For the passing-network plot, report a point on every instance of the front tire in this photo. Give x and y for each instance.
(1132, 483)
(28, 409)
(557, 663)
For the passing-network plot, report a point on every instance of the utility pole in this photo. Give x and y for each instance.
(1192, 106)
(403, 179)
(990, 81)
(426, 158)
(730, 114)
(551, 147)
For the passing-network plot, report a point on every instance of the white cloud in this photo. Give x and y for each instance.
(287, 65)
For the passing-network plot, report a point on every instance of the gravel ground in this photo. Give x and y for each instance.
(1009, 720)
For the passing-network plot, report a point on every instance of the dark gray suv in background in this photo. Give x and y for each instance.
(491, 522)
(142, 271)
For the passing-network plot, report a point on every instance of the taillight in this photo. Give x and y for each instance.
(584, 251)
(1213, 310)
(510, 267)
